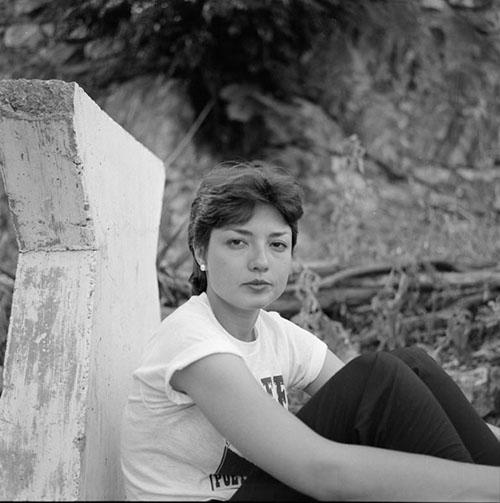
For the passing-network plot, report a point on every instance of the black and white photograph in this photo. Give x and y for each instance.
(250, 250)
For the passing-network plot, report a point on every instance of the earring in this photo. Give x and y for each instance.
(203, 267)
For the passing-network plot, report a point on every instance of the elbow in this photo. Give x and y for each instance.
(336, 476)
(325, 480)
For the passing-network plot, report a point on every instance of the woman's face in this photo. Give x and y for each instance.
(248, 264)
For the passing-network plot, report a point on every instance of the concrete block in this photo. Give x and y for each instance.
(86, 199)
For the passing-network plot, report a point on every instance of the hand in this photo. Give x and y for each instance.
(495, 430)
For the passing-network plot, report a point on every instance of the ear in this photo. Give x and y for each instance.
(199, 255)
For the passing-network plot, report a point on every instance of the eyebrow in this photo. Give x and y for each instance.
(245, 232)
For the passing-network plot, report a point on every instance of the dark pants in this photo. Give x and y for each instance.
(401, 400)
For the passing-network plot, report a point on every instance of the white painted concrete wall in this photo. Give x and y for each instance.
(86, 200)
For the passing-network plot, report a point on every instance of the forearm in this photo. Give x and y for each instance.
(283, 446)
(368, 473)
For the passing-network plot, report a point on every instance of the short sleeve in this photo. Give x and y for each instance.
(174, 348)
(306, 354)
(190, 355)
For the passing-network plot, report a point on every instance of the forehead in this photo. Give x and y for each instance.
(264, 217)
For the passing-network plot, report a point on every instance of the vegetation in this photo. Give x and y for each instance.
(386, 110)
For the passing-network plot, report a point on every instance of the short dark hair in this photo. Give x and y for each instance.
(228, 194)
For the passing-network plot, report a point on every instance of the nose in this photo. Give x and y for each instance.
(258, 260)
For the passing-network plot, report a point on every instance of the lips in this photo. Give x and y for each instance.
(257, 282)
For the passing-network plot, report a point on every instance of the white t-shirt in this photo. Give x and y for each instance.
(170, 451)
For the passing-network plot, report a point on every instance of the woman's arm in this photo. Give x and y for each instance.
(274, 439)
(495, 430)
(331, 366)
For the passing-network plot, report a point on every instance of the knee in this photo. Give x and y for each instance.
(364, 362)
(388, 361)
(415, 351)
(379, 359)
(412, 354)
(380, 372)
(418, 360)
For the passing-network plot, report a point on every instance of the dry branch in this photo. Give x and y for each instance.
(439, 285)
(437, 282)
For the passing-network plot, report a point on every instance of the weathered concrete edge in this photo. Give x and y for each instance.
(34, 99)
(81, 99)
(43, 106)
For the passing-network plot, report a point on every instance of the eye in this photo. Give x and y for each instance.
(279, 245)
(235, 243)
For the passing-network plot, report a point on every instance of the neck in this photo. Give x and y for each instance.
(239, 323)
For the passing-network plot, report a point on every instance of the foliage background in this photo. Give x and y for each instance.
(386, 110)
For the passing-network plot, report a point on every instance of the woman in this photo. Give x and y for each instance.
(207, 417)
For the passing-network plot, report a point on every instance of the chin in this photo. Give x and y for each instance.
(249, 301)
(261, 302)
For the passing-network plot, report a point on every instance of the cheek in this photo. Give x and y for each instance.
(285, 267)
(221, 271)
(220, 263)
